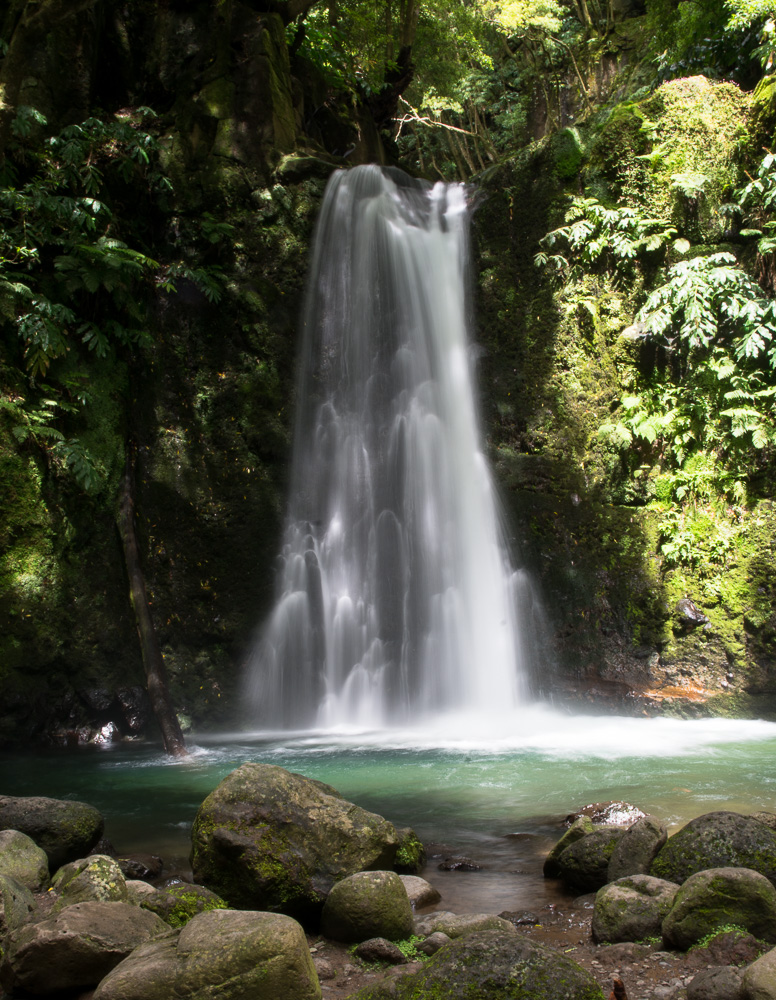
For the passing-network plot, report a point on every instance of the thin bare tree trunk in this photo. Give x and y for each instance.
(156, 673)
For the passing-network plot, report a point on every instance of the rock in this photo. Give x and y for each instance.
(632, 908)
(177, 904)
(97, 877)
(65, 830)
(137, 890)
(75, 948)
(520, 918)
(493, 965)
(379, 949)
(581, 827)
(275, 840)
(717, 840)
(608, 813)
(718, 897)
(21, 859)
(458, 864)
(219, 954)
(722, 982)
(637, 848)
(141, 866)
(419, 891)
(17, 905)
(410, 854)
(766, 818)
(585, 864)
(457, 925)
(759, 980)
(368, 905)
(732, 947)
(432, 944)
(688, 615)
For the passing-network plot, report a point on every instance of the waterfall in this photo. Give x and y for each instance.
(396, 597)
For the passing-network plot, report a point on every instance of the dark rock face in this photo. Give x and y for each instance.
(272, 840)
(380, 950)
(584, 865)
(717, 840)
(496, 965)
(637, 849)
(65, 830)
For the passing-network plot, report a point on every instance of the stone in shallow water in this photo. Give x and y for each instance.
(458, 864)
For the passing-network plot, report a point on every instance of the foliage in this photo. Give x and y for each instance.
(70, 286)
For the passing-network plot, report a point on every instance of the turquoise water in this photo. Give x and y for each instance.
(498, 795)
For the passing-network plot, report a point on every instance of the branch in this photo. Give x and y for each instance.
(415, 116)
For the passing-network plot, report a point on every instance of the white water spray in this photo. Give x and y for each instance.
(397, 598)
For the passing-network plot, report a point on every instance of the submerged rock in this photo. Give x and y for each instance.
(267, 838)
(23, 860)
(493, 965)
(65, 830)
(717, 840)
(718, 897)
(223, 953)
(368, 905)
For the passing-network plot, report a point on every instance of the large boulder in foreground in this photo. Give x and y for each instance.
(17, 905)
(97, 877)
(65, 830)
(231, 954)
(717, 840)
(23, 860)
(631, 909)
(759, 980)
(269, 839)
(491, 965)
(76, 948)
(716, 898)
(368, 905)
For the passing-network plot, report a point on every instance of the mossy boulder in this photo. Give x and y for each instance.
(717, 840)
(177, 904)
(23, 860)
(74, 949)
(585, 864)
(632, 908)
(455, 925)
(580, 828)
(270, 839)
(368, 905)
(65, 830)
(411, 854)
(222, 953)
(97, 877)
(636, 850)
(491, 965)
(717, 898)
(17, 905)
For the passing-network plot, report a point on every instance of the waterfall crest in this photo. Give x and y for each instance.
(396, 597)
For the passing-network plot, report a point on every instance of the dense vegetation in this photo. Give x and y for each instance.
(156, 200)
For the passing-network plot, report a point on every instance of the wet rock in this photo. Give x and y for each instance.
(135, 708)
(718, 897)
(688, 615)
(636, 850)
(717, 840)
(632, 908)
(141, 866)
(458, 863)
(223, 953)
(76, 948)
(65, 830)
(177, 904)
(434, 941)
(508, 963)
(380, 950)
(368, 905)
(722, 982)
(608, 813)
(581, 827)
(97, 877)
(585, 864)
(419, 891)
(410, 854)
(21, 859)
(273, 840)
(520, 918)
(17, 905)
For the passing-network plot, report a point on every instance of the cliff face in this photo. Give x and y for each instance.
(248, 137)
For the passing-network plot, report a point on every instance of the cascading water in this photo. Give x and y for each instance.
(397, 599)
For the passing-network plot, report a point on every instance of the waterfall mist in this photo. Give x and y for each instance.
(397, 600)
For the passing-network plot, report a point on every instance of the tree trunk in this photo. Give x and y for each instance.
(156, 674)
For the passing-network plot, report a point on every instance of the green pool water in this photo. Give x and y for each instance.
(496, 792)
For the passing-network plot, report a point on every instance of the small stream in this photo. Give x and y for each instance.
(495, 796)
